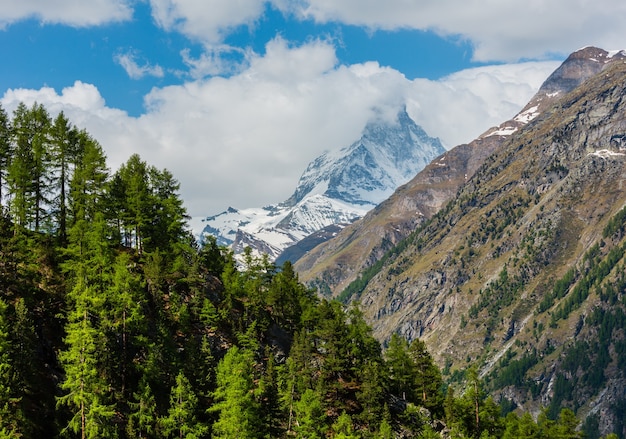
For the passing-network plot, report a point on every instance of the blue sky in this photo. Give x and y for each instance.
(235, 97)
(56, 54)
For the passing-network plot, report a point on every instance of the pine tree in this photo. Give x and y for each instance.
(310, 418)
(269, 400)
(401, 367)
(64, 142)
(427, 382)
(181, 421)
(87, 185)
(124, 322)
(342, 428)
(19, 177)
(234, 401)
(142, 420)
(28, 175)
(26, 365)
(168, 223)
(88, 265)
(133, 187)
(86, 391)
(6, 149)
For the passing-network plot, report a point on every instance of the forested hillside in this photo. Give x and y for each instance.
(115, 324)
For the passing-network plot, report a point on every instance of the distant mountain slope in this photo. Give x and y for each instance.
(333, 265)
(523, 273)
(337, 188)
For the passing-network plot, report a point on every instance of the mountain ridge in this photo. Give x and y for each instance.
(521, 273)
(333, 265)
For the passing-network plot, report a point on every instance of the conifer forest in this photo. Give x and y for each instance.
(116, 323)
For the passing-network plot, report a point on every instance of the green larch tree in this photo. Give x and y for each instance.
(310, 418)
(143, 418)
(28, 176)
(86, 391)
(401, 367)
(427, 379)
(64, 148)
(19, 175)
(6, 149)
(88, 266)
(133, 187)
(238, 411)
(181, 421)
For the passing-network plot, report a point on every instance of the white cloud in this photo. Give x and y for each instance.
(206, 20)
(79, 13)
(503, 30)
(212, 61)
(244, 140)
(498, 30)
(460, 107)
(128, 61)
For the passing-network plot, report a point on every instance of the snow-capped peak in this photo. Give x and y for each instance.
(337, 187)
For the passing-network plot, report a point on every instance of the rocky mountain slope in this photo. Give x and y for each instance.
(522, 273)
(333, 265)
(337, 188)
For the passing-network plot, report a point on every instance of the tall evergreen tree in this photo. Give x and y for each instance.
(87, 185)
(167, 225)
(6, 150)
(64, 142)
(310, 416)
(89, 269)
(19, 177)
(133, 187)
(86, 396)
(142, 420)
(181, 421)
(427, 382)
(401, 367)
(28, 175)
(238, 410)
(124, 322)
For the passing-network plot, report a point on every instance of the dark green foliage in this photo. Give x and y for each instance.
(558, 291)
(615, 224)
(512, 371)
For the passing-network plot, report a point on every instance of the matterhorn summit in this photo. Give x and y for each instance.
(336, 188)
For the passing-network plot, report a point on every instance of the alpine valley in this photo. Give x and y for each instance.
(508, 253)
(480, 292)
(336, 188)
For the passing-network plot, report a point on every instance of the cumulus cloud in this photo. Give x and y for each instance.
(128, 61)
(501, 30)
(497, 30)
(79, 13)
(206, 21)
(243, 141)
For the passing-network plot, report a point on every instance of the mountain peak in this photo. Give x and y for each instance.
(577, 68)
(337, 187)
(388, 153)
